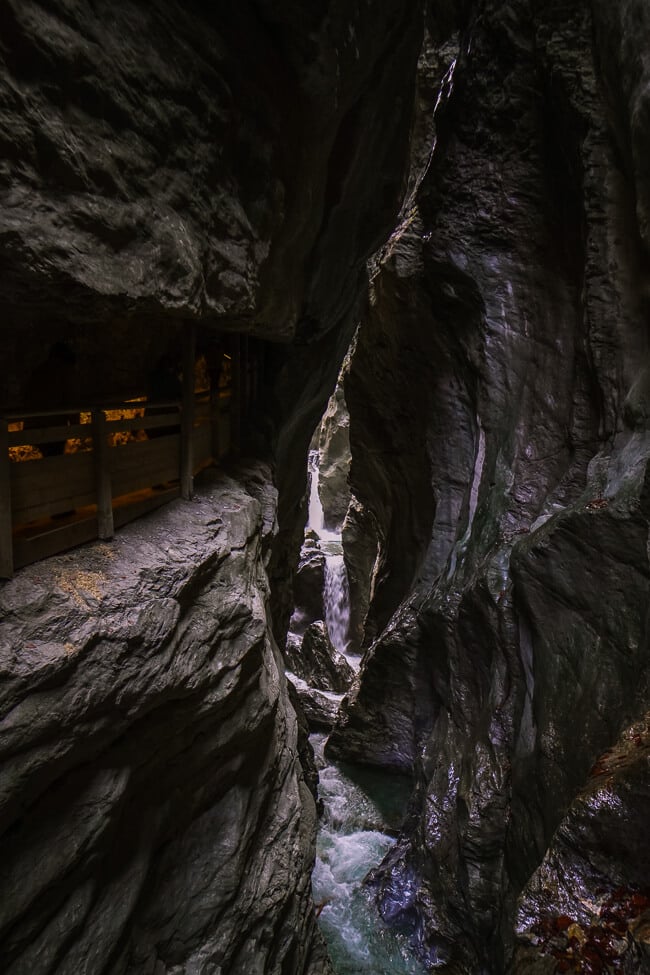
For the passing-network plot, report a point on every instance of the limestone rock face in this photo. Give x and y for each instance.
(499, 433)
(309, 582)
(360, 549)
(334, 453)
(589, 899)
(316, 661)
(154, 816)
(169, 158)
(232, 165)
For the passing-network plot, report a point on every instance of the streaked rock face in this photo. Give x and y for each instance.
(163, 164)
(498, 404)
(174, 160)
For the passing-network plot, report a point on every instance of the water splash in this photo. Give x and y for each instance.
(352, 839)
(336, 595)
(316, 517)
(336, 599)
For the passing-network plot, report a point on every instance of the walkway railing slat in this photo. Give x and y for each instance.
(105, 528)
(6, 538)
(101, 488)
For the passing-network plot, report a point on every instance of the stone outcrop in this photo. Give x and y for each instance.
(360, 550)
(315, 660)
(588, 904)
(309, 584)
(499, 434)
(334, 460)
(154, 813)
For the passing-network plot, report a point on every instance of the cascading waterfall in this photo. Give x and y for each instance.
(336, 598)
(354, 834)
(336, 595)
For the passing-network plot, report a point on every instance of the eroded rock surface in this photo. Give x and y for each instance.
(334, 462)
(588, 904)
(154, 815)
(315, 660)
(499, 441)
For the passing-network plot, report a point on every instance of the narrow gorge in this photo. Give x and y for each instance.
(324, 487)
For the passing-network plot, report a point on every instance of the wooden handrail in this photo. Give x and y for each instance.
(95, 478)
(14, 416)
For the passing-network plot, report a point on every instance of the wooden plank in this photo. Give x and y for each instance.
(135, 466)
(215, 429)
(224, 433)
(105, 528)
(187, 414)
(50, 486)
(145, 422)
(236, 403)
(202, 438)
(134, 404)
(6, 545)
(32, 438)
(49, 542)
(129, 512)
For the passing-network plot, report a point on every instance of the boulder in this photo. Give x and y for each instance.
(152, 807)
(334, 460)
(315, 660)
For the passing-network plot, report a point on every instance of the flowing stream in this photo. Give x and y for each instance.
(336, 595)
(360, 807)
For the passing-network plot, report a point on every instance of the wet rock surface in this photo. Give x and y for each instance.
(587, 907)
(315, 660)
(334, 451)
(309, 583)
(161, 165)
(154, 815)
(498, 427)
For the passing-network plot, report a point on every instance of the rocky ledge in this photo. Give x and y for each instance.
(154, 816)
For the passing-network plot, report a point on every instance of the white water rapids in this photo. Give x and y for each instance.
(352, 840)
(359, 811)
(336, 595)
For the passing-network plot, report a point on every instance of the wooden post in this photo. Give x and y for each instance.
(6, 542)
(236, 399)
(215, 423)
(105, 527)
(187, 414)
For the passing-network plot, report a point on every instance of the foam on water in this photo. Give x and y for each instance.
(352, 840)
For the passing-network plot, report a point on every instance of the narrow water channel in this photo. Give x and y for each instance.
(353, 838)
(362, 809)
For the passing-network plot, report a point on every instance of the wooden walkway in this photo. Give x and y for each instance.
(52, 503)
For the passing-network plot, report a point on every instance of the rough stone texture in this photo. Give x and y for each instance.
(232, 165)
(588, 903)
(334, 460)
(360, 548)
(316, 661)
(309, 583)
(320, 708)
(176, 160)
(499, 433)
(153, 812)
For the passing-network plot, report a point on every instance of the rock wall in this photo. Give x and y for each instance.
(499, 441)
(160, 165)
(154, 812)
(334, 460)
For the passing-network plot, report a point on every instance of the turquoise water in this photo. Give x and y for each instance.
(353, 839)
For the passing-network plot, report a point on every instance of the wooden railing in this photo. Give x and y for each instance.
(102, 484)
